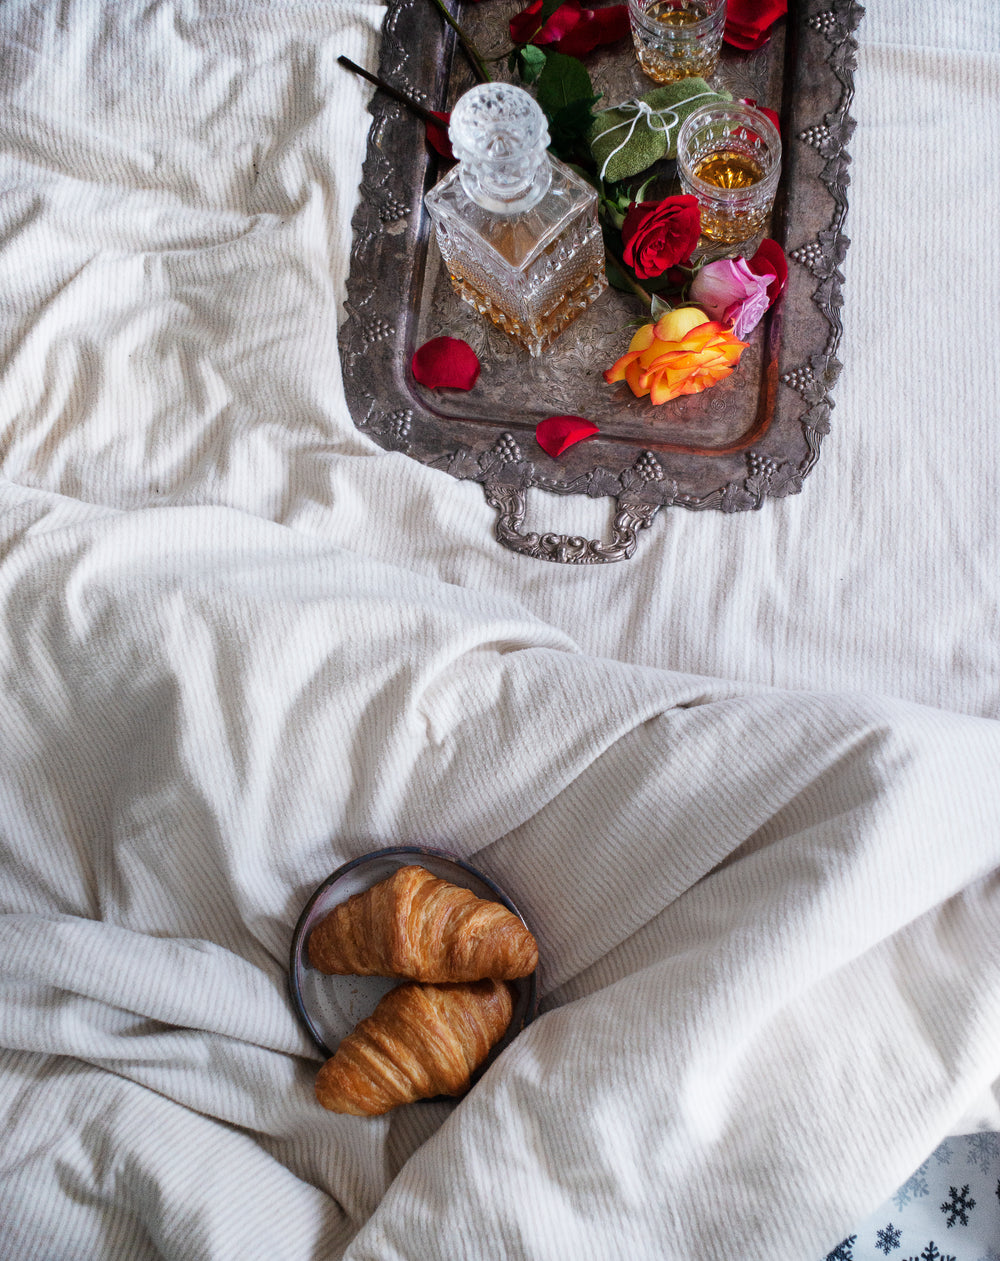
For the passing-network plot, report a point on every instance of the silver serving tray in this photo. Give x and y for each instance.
(753, 436)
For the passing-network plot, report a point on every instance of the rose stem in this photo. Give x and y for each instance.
(471, 51)
(633, 284)
(395, 93)
(638, 290)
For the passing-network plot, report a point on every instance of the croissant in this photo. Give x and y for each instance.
(420, 1041)
(415, 926)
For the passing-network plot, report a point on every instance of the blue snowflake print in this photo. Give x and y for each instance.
(932, 1253)
(957, 1208)
(888, 1238)
(984, 1148)
(844, 1251)
(943, 1153)
(913, 1188)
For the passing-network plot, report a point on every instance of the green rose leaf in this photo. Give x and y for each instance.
(658, 307)
(530, 62)
(658, 284)
(567, 96)
(563, 81)
(612, 214)
(570, 126)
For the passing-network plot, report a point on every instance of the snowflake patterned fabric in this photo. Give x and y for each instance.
(947, 1210)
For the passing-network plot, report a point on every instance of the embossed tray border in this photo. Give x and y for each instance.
(390, 233)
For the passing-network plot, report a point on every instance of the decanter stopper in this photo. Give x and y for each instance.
(499, 135)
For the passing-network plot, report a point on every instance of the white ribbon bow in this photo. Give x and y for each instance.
(656, 120)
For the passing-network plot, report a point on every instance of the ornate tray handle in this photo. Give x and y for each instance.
(630, 517)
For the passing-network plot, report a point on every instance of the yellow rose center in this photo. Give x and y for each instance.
(673, 326)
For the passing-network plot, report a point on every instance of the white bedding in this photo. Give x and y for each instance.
(744, 786)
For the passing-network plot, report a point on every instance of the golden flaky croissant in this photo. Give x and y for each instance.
(416, 926)
(420, 1041)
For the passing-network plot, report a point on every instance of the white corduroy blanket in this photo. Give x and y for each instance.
(746, 787)
(768, 922)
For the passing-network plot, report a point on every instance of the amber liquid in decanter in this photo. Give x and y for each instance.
(517, 229)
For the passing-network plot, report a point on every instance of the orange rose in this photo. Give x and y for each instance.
(682, 353)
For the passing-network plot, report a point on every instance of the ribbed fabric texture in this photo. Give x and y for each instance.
(744, 786)
(767, 919)
(177, 208)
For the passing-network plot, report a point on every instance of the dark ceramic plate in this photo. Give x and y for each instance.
(330, 1006)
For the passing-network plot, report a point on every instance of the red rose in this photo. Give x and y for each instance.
(658, 235)
(770, 261)
(749, 22)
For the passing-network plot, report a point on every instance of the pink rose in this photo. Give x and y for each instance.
(731, 293)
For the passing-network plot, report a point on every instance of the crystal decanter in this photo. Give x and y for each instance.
(517, 229)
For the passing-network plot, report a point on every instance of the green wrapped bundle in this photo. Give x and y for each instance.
(631, 137)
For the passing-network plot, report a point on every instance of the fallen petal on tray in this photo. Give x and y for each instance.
(555, 434)
(437, 134)
(446, 362)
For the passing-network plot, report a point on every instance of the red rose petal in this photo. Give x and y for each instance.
(446, 362)
(749, 22)
(557, 433)
(437, 136)
(565, 19)
(570, 29)
(596, 27)
(525, 26)
(768, 113)
(770, 260)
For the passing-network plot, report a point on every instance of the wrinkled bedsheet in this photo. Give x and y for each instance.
(744, 787)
